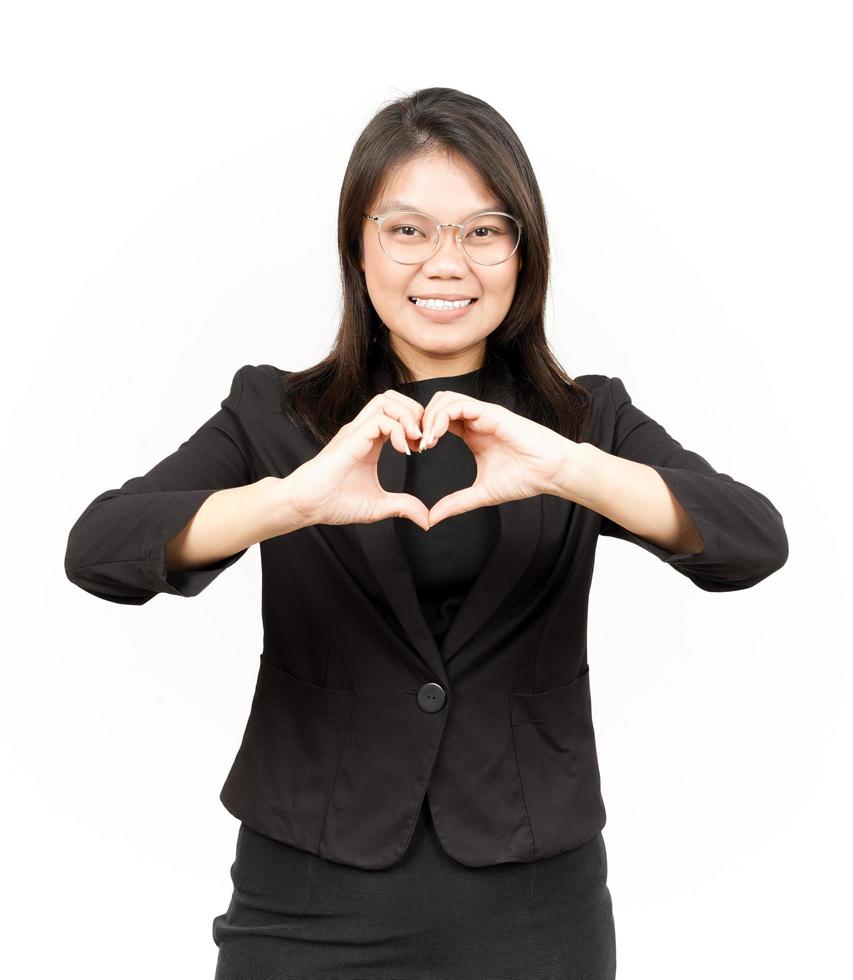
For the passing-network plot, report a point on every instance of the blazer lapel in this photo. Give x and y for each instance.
(520, 525)
(390, 566)
(521, 521)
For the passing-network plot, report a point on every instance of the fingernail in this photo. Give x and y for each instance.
(408, 451)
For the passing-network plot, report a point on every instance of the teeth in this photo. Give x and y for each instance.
(441, 304)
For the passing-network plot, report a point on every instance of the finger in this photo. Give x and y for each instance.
(457, 428)
(428, 422)
(404, 415)
(394, 405)
(376, 403)
(404, 399)
(413, 410)
(404, 505)
(459, 502)
(394, 430)
(367, 410)
(473, 413)
(362, 439)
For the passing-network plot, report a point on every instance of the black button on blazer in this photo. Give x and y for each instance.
(342, 740)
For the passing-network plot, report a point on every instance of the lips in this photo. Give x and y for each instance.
(456, 300)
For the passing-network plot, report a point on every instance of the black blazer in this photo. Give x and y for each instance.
(357, 713)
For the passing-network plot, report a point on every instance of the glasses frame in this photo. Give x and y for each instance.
(380, 218)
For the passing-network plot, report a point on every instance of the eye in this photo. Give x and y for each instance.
(482, 228)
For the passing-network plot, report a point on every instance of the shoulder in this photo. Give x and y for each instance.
(258, 390)
(603, 388)
(607, 398)
(598, 386)
(597, 383)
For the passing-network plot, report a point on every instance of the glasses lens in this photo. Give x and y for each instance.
(491, 238)
(409, 237)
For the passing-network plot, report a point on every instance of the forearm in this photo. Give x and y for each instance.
(231, 520)
(629, 493)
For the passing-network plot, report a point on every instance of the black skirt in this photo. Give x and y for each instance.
(294, 916)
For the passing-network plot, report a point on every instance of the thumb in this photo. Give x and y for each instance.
(404, 505)
(458, 502)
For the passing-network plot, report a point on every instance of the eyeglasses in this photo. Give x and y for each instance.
(411, 237)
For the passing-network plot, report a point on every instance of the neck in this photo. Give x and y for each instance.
(423, 368)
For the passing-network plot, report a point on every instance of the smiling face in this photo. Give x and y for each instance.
(438, 345)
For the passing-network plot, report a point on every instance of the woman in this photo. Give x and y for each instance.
(417, 784)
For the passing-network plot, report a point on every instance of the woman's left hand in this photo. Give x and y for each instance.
(516, 457)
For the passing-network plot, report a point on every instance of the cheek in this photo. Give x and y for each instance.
(387, 290)
(501, 288)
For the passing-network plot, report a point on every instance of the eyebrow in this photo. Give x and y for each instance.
(403, 206)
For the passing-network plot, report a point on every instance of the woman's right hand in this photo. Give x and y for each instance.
(340, 485)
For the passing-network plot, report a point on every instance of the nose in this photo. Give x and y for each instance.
(449, 253)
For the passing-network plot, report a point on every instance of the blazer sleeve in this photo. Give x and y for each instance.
(744, 534)
(117, 547)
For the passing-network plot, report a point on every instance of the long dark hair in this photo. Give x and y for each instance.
(361, 361)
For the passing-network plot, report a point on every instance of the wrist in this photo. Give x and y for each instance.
(572, 476)
(281, 503)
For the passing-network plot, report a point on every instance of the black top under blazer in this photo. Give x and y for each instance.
(357, 710)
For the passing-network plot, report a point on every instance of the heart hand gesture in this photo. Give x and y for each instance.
(340, 485)
(516, 457)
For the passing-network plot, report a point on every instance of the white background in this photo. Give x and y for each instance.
(170, 181)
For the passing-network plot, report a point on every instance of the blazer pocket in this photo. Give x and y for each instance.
(282, 778)
(557, 762)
